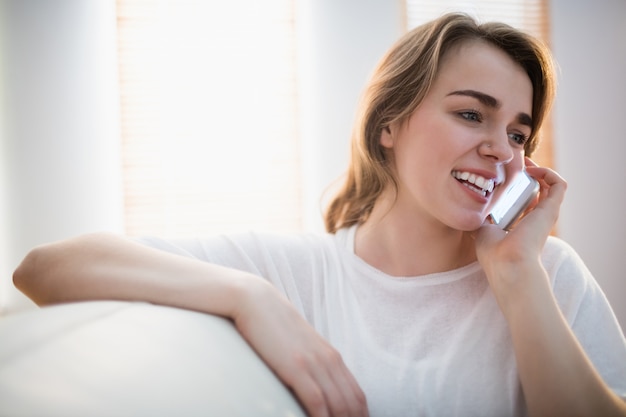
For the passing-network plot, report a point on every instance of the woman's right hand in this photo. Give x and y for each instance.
(301, 358)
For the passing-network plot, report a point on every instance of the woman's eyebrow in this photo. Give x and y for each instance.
(525, 120)
(485, 99)
(492, 102)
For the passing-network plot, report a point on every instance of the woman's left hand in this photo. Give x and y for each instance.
(498, 250)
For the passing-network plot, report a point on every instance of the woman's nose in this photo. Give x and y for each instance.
(497, 148)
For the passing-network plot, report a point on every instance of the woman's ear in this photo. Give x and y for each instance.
(386, 137)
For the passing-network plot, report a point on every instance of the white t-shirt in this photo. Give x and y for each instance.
(434, 345)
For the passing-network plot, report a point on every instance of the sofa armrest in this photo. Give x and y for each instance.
(110, 358)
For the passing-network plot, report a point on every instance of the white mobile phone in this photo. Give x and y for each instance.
(520, 192)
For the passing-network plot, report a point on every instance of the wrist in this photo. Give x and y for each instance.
(246, 293)
(518, 285)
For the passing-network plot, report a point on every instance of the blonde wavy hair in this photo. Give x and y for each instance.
(399, 84)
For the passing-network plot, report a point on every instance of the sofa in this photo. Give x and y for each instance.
(112, 358)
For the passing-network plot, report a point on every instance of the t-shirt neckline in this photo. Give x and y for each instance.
(347, 235)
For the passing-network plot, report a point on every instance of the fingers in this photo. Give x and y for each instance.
(311, 396)
(352, 394)
(300, 357)
(545, 211)
(546, 174)
(325, 386)
(553, 186)
(529, 162)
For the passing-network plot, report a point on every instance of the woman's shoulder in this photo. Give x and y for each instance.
(288, 242)
(255, 247)
(294, 248)
(569, 275)
(557, 253)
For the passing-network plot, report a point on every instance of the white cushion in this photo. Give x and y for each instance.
(110, 358)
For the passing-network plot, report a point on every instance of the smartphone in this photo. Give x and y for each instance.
(515, 198)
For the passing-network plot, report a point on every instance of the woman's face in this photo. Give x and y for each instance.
(464, 139)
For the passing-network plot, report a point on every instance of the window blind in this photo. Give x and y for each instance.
(208, 115)
(528, 15)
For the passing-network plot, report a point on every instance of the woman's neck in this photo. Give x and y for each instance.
(409, 245)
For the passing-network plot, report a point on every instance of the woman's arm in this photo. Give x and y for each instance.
(557, 377)
(103, 266)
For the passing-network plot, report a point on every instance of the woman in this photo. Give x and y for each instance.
(413, 304)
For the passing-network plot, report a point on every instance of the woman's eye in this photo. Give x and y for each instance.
(518, 138)
(472, 116)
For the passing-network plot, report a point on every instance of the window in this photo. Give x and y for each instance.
(528, 15)
(208, 106)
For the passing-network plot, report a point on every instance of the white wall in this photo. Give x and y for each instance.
(340, 42)
(60, 131)
(4, 244)
(589, 41)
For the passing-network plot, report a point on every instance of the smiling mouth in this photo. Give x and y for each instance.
(476, 183)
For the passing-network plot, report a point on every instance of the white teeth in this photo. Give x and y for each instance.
(486, 185)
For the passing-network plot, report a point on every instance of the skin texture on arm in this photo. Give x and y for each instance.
(103, 266)
(556, 375)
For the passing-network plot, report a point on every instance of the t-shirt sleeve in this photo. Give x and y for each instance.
(290, 262)
(588, 313)
(222, 250)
